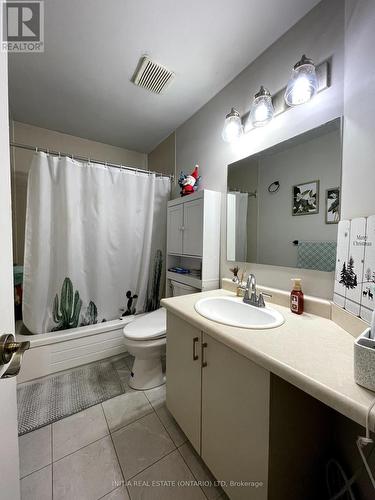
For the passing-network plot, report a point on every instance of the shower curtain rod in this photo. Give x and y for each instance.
(86, 159)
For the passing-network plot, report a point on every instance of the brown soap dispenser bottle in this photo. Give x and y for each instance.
(296, 297)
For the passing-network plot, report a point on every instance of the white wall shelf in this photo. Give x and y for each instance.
(186, 279)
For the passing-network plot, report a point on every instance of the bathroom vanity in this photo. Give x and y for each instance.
(258, 405)
(214, 393)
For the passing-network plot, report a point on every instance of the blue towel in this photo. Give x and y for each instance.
(318, 255)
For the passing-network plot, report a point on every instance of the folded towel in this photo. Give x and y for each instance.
(17, 275)
(318, 255)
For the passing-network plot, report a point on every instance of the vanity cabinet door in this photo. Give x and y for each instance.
(235, 419)
(193, 228)
(184, 376)
(175, 228)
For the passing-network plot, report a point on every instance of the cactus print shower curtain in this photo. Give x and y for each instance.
(94, 243)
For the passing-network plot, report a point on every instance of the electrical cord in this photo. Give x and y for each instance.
(347, 488)
(362, 442)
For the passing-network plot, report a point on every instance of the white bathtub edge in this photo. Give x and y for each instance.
(57, 351)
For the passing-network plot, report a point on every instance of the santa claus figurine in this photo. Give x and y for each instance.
(189, 183)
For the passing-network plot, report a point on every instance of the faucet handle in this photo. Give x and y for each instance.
(261, 302)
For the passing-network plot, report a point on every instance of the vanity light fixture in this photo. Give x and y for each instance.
(303, 83)
(232, 129)
(262, 108)
(306, 81)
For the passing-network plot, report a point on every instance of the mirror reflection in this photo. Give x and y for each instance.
(283, 204)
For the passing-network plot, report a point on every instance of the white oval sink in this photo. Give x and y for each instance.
(234, 312)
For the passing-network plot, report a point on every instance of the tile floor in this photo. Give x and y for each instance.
(126, 448)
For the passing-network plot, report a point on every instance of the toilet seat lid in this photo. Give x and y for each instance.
(149, 326)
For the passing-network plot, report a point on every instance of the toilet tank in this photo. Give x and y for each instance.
(182, 289)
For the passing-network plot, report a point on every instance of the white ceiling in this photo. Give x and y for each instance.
(81, 84)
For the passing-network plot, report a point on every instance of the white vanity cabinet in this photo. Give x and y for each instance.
(221, 401)
(184, 377)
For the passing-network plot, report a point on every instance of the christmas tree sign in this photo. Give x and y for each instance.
(348, 277)
(342, 256)
(368, 287)
(354, 265)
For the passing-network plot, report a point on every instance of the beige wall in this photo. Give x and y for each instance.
(44, 138)
(163, 157)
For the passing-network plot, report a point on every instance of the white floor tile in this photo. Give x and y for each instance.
(174, 430)
(156, 396)
(118, 494)
(78, 430)
(88, 474)
(125, 409)
(200, 471)
(35, 450)
(38, 485)
(171, 468)
(157, 399)
(141, 444)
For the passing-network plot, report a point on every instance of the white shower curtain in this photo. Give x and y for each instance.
(95, 239)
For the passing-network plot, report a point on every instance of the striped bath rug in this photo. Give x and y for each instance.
(52, 398)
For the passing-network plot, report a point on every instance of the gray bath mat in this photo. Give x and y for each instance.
(49, 399)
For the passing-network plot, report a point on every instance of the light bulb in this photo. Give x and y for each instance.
(303, 83)
(232, 129)
(262, 108)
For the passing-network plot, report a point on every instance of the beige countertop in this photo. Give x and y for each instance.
(311, 352)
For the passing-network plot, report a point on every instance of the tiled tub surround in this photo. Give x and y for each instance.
(129, 439)
(311, 352)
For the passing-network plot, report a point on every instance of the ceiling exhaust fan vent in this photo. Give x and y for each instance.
(152, 76)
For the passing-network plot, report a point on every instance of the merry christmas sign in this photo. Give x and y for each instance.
(355, 266)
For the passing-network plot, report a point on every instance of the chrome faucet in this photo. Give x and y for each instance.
(251, 296)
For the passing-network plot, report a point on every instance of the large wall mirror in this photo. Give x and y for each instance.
(283, 204)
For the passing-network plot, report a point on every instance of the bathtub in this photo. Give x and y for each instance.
(56, 351)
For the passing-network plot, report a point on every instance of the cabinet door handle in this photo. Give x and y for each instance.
(204, 362)
(195, 355)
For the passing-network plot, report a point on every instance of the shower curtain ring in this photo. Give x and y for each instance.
(36, 149)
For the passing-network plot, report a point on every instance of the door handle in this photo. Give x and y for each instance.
(195, 355)
(12, 352)
(204, 362)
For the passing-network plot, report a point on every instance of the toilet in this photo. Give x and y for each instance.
(145, 339)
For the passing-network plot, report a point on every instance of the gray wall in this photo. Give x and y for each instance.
(358, 182)
(320, 35)
(163, 157)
